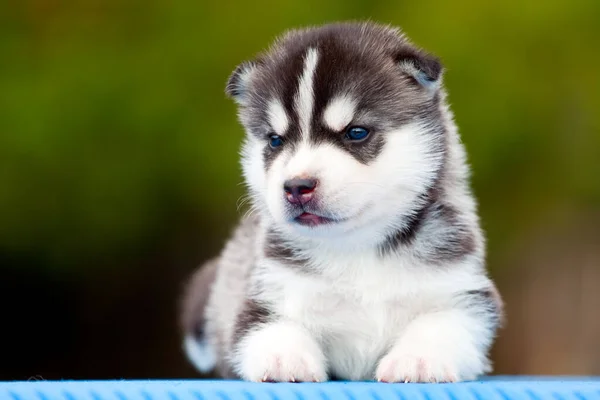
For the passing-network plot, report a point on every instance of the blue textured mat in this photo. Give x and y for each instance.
(501, 388)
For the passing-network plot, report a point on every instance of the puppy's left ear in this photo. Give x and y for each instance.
(423, 68)
(239, 80)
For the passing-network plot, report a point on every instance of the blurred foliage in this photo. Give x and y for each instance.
(114, 127)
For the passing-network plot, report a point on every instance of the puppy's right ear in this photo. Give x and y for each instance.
(237, 84)
(424, 68)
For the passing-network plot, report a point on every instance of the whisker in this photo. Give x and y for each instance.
(243, 199)
(250, 212)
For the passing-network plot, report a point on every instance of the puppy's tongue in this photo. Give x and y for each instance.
(309, 217)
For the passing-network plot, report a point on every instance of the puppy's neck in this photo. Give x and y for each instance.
(372, 239)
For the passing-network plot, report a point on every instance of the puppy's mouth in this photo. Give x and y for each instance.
(310, 219)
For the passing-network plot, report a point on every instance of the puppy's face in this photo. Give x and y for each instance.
(344, 128)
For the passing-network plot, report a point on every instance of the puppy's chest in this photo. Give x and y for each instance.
(341, 313)
(355, 319)
(359, 305)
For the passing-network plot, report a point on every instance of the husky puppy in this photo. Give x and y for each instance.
(362, 257)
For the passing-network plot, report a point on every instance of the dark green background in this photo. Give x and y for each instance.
(119, 167)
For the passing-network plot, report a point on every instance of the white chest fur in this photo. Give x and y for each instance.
(357, 308)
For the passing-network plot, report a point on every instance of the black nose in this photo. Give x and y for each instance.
(299, 190)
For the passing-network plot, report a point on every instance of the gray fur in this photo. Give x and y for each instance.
(377, 65)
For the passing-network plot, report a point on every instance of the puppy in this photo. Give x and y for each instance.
(362, 257)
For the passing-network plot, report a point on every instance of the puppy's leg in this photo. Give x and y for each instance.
(448, 345)
(273, 350)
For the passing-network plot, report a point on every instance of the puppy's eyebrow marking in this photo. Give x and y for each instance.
(339, 112)
(304, 100)
(277, 117)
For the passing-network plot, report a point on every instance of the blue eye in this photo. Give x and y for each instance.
(356, 133)
(275, 141)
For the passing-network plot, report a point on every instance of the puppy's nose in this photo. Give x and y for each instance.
(299, 190)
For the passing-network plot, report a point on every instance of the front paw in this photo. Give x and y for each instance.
(446, 346)
(281, 353)
(289, 366)
(403, 366)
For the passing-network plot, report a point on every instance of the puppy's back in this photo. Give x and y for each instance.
(214, 297)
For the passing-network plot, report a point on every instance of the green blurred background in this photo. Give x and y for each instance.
(119, 167)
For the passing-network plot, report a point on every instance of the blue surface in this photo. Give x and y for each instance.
(497, 388)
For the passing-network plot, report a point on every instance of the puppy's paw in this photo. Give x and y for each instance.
(404, 367)
(289, 366)
(441, 347)
(280, 353)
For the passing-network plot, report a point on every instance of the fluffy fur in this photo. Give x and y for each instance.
(387, 279)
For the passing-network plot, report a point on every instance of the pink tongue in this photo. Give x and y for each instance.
(309, 217)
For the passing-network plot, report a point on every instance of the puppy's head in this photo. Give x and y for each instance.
(344, 128)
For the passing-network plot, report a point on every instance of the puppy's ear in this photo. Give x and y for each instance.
(425, 69)
(237, 84)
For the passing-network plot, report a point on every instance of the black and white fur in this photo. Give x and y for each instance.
(394, 287)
